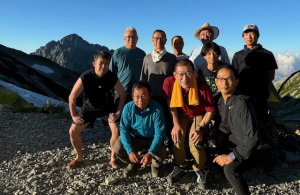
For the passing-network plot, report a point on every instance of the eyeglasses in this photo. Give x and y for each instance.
(188, 74)
(140, 97)
(229, 79)
(208, 34)
(159, 38)
(130, 37)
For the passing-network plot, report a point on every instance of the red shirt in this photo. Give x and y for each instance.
(205, 98)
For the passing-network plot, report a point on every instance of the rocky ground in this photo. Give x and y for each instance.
(35, 149)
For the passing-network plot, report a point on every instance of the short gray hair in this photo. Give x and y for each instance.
(131, 29)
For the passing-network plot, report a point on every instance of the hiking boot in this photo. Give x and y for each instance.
(176, 174)
(130, 170)
(154, 171)
(201, 178)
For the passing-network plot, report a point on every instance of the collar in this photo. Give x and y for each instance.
(259, 46)
(137, 110)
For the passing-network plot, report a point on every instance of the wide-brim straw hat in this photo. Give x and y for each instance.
(206, 26)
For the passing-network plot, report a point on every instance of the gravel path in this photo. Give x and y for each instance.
(35, 148)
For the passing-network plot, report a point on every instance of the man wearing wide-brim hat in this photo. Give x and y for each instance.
(206, 33)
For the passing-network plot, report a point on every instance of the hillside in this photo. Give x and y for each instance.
(36, 73)
(288, 89)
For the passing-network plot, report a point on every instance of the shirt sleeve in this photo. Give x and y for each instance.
(273, 63)
(144, 72)
(235, 62)
(207, 98)
(193, 56)
(124, 129)
(167, 88)
(245, 131)
(113, 66)
(224, 55)
(159, 125)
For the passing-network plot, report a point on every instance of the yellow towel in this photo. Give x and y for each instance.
(177, 99)
(193, 93)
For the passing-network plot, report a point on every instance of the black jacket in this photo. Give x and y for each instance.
(243, 127)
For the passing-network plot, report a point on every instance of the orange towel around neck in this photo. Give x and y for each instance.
(177, 99)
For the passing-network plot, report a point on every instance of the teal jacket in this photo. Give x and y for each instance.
(150, 123)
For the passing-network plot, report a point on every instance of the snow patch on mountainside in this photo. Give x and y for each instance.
(34, 98)
(42, 68)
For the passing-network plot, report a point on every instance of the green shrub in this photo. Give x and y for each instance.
(25, 108)
(49, 108)
(9, 97)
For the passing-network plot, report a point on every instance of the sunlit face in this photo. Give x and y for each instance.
(130, 39)
(206, 36)
(211, 57)
(250, 39)
(159, 40)
(141, 98)
(226, 82)
(177, 44)
(101, 66)
(184, 75)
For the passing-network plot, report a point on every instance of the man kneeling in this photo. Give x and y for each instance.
(192, 107)
(142, 128)
(246, 144)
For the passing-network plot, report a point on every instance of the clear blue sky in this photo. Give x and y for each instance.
(28, 25)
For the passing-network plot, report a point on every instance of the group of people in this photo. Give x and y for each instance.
(149, 100)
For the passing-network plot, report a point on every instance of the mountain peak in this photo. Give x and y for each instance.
(71, 52)
(72, 38)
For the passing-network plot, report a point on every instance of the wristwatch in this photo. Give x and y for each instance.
(201, 128)
(231, 156)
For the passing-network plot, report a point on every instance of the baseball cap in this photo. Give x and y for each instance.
(250, 27)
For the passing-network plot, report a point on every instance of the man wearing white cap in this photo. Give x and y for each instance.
(205, 34)
(256, 67)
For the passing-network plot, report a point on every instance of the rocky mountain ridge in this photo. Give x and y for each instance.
(71, 52)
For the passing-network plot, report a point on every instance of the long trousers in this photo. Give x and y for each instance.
(234, 171)
(140, 145)
(188, 124)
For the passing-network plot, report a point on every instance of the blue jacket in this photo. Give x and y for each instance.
(150, 123)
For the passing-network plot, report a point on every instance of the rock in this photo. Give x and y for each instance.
(51, 163)
(111, 180)
(35, 170)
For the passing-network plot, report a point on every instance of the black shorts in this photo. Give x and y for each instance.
(90, 117)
